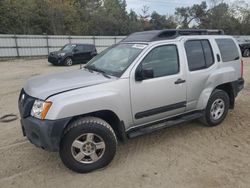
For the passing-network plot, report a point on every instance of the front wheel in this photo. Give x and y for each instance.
(88, 144)
(68, 61)
(217, 108)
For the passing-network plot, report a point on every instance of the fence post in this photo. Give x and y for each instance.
(115, 39)
(17, 50)
(47, 43)
(94, 40)
(69, 39)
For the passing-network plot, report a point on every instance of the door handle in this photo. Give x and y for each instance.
(180, 81)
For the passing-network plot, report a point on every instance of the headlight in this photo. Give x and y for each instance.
(40, 109)
(62, 54)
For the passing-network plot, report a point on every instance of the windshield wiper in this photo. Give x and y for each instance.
(93, 68)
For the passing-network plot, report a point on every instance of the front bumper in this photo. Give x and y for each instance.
(55, 60)
(42, 133)
(45, 134)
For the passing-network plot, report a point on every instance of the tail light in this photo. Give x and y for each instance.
(241, 68)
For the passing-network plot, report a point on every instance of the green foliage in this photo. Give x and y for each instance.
(158, 21)
(110, 17)
(233, 20)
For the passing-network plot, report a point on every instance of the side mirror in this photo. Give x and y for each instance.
(143, 74)
(75, 50)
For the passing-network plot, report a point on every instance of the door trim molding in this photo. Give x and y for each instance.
(159, 110)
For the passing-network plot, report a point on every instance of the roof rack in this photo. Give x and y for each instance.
(154, 35)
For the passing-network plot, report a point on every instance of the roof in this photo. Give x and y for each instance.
(154, 35)
(86, 44)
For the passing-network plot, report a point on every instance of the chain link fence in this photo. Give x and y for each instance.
(42, 45)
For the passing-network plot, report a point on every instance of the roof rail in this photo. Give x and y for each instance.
(154, 35)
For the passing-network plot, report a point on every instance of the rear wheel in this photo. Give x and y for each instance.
(88, 144)
(246, 53)
(68, 61)
(217, 108)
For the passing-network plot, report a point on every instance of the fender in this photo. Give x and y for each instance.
(113, 96)
(220, 76)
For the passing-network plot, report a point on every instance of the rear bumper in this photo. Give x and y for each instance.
(45, 134)
(239, 85)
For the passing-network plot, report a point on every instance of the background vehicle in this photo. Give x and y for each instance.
(244, 46)
(149, 81)
(73, 53)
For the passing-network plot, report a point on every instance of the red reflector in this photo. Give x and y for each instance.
(241, 68)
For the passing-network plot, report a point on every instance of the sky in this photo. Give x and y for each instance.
(160, 6)
(166, 7)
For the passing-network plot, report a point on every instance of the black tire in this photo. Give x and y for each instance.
(207, 119)
(88, 125)
(68, 61)
(246, 53)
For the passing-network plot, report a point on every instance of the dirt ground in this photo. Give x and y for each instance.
(187, 155)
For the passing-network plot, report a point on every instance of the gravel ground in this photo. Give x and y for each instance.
(188, 155)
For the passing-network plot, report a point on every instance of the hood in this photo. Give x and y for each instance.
(42, 87)
(55, 53)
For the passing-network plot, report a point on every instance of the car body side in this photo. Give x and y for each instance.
(79, 56)
(115, 96)
(244, 46)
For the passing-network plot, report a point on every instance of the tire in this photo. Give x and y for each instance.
(246, 53)
(68, 61)
(95, 152)
(217, 108)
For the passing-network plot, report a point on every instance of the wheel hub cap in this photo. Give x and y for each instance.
(217, 109)
(88, 148)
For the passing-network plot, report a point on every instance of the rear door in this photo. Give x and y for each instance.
(201, 64)
(78, 53)
(163, 95)
(87, 52)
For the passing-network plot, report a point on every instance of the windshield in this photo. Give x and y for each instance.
(68, 47)
(116, 59)
(242, 40)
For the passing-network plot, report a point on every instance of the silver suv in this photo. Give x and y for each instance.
(149, 81)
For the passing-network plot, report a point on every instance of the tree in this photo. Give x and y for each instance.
(187, 15)
(134, 24)
(158, 21)
(144, 18)
(110, 17)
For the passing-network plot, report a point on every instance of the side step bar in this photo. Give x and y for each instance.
(149, 128)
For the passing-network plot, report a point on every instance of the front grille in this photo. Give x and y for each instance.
(53, 59)
(25, 104)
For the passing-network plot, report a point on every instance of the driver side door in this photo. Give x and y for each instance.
(78, 54)
(164, 94)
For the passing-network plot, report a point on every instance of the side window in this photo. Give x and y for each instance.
(87, 48)
(209, 57)
(228, 49)
(79, 48)
(164, 61)
(199, 54)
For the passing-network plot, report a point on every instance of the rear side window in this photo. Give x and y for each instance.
(207, 53)
(79, 48)
(88, 48)
(199, 54)
(85, 48)
(228, 49)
